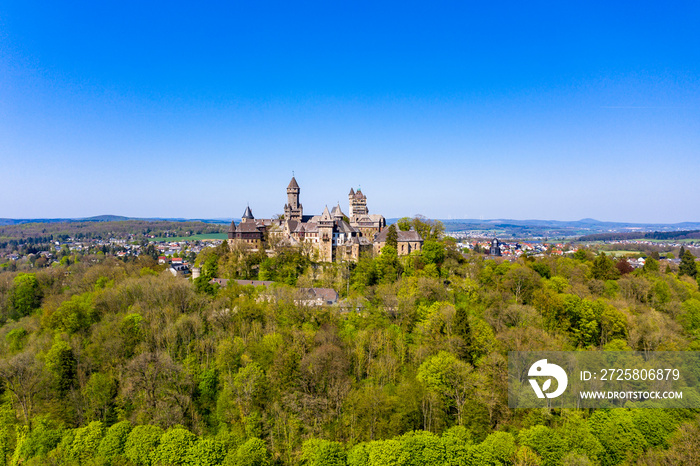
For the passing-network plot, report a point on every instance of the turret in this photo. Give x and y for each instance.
(293, 210)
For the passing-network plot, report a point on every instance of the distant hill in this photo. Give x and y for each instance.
(107, 218)
(655, 235)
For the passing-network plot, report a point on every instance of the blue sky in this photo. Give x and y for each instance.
(548, 110)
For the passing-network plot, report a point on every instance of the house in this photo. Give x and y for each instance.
(406, 242)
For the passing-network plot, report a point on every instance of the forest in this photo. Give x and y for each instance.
(105, 361)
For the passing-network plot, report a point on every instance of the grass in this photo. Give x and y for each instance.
(620, 253)
(175, 239)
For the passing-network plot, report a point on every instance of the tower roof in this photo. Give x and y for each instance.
(337, 212)
(352, 192)
(293, 184)
(326, 215)
(248, 214)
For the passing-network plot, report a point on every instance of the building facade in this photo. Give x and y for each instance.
(406, 242)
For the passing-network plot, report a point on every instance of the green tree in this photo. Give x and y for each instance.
(174, 447)
(141, 443)
(386, 453)
(207, 452)
(73, 315)
(44, 437)
(651, 265)
(546, 442)
(99, 392)
(85, 443)
(497, 449)
(604, 268)
(450, 378)
(423, 448)
(462, 328)
(61, 362)
(317, 452)
(620, 438)
(688, 266)
(433, 252)
(252, 453)
(392, 237)
(404, 223)
(25, 295)
(387, 265)
(16, 338)
(114, 440)
(656, 425)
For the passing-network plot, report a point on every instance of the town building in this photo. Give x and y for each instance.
(406, 242)
(495, 247)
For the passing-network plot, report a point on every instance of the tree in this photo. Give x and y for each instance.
(423, 448)
(546, 442)
(620, 439)
(114, 440)
(207, 452)
(316, 452)
(252, 453)
(404, 223)
(85, 443)
(497, 449)
(428, 229)
(25, 295)
(462, 329)
(651, 265)
(449, 378)
(433, 252)
(392, 237)
(151, 378)
(61, 362)
(141, 443)
(72, 315)
(99, 392)
(688, 266)
(23, 377)
(604, 268)
(623, 266)
(174, 447)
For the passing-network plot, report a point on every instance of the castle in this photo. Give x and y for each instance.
(331, 235)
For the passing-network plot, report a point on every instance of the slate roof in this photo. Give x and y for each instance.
(248, 227)
(402, 236)
(337, 212)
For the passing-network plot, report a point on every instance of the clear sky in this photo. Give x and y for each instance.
(548, 110)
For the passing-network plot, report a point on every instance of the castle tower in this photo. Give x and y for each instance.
(247, 215)
(232, 231)
(293, 210)
(358, 205)
(325, 231)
